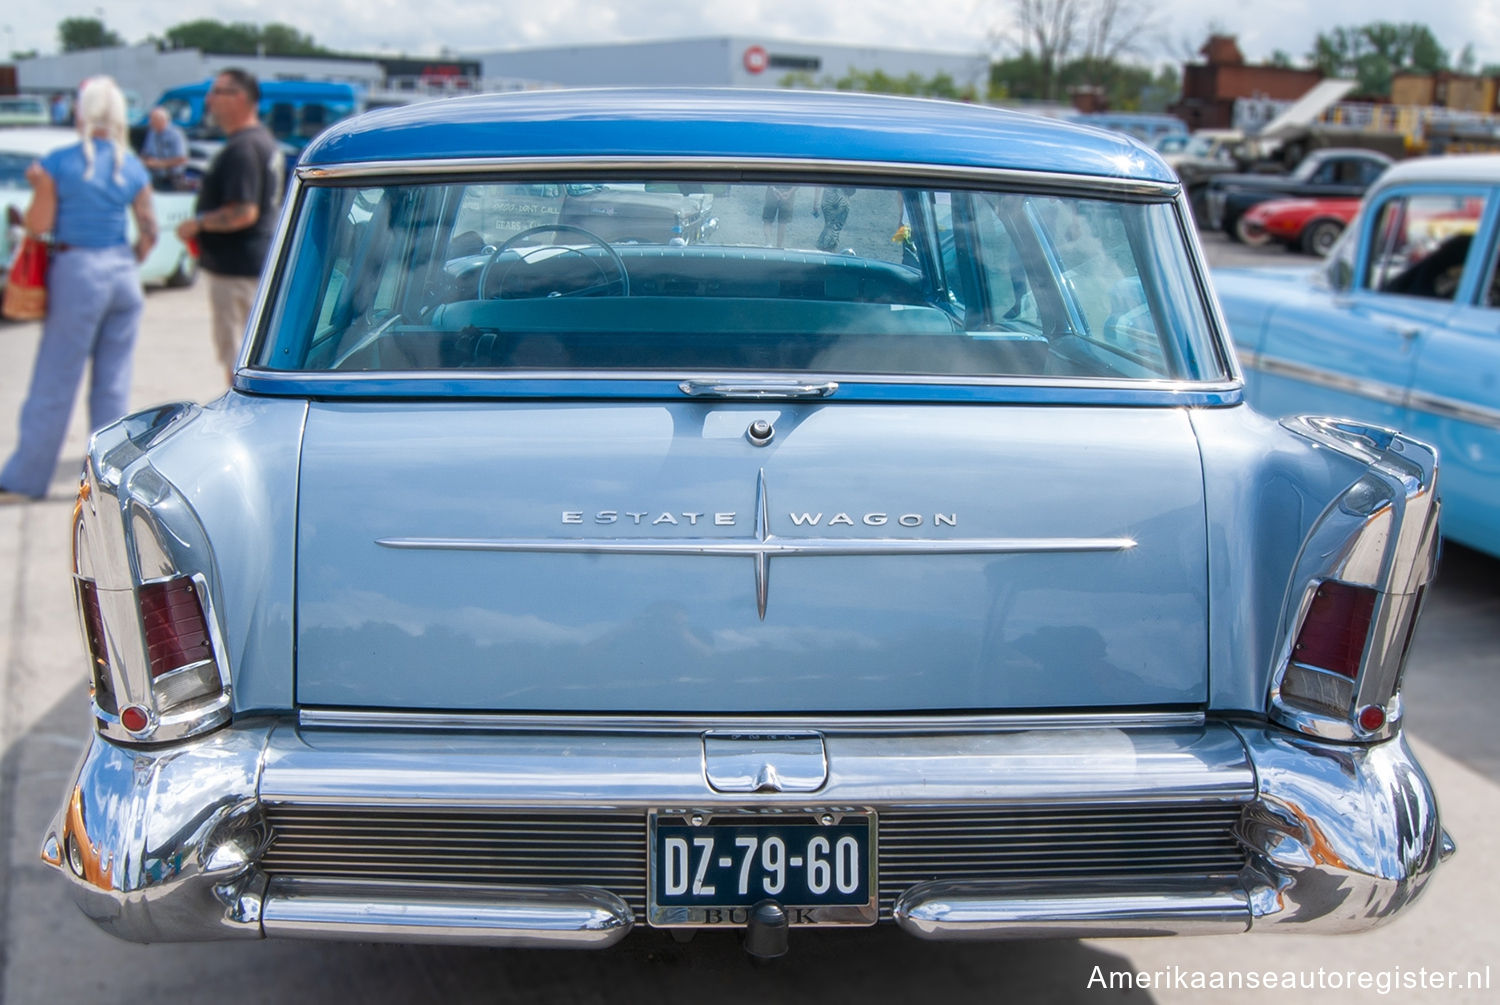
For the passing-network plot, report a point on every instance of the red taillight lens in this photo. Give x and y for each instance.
(93, 626)
(1337, 625)
(176, 632)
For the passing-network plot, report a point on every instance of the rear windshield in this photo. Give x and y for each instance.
(800, 276)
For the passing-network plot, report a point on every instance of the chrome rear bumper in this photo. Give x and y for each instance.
(175, 843)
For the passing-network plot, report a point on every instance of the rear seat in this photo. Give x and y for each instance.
(689, 314)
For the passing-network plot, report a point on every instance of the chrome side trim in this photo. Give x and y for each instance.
(596, 165)
(844, 725)
(513, 917)
(1389, 394)
(1449, 408)
(949, 910)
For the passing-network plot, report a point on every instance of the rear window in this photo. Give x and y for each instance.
(800, 275)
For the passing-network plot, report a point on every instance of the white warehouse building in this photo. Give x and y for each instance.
(727, 61)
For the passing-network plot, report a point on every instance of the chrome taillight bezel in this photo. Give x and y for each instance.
(1380, 534)
(133, 530)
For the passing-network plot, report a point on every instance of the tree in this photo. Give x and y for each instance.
(1049, 29)
(77, 33)
(1375, 52)
(879, 82)
(284, 40)
(1114, 29)
(239, 38)
(242, 38)
(1087, 37)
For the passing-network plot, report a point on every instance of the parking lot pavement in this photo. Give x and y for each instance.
(49, 953)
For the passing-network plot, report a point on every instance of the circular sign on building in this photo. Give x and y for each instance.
(755, 59)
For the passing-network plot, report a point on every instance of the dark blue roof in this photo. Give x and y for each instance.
(735, 123)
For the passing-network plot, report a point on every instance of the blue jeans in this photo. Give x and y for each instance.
(94, 306)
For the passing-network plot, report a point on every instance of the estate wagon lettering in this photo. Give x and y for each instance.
(600, 566)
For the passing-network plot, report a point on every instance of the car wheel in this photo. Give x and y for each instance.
(1320, 236)
(185, 273)
(1248, 232)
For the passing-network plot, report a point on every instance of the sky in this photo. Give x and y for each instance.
(460, 27)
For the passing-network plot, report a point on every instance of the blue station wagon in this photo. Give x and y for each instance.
(1399, 326)
(899, 550)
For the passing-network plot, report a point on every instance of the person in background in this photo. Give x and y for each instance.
(778, 211)
(833, 201)
(236, 212)
(81, 193)
(164, 152)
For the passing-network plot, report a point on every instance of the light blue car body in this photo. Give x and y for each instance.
(1429, 366)
(592, 606)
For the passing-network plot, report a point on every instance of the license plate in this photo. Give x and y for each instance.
(713, 873)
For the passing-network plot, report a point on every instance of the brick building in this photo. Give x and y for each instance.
(1210, 88)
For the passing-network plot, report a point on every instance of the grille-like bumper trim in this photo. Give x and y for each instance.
(1050, 845)
(1155, 829)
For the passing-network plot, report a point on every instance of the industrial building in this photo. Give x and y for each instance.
(729, 61)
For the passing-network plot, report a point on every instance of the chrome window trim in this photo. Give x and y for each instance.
(1223, 342)
(270, 275)
(1231, 380)
(330, 718)
(572, 382)
(595, 164)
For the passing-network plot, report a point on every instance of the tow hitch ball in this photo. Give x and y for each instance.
(765, 936)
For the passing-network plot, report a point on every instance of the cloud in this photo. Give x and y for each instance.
(464, 28)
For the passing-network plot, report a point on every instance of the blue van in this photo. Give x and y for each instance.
(294, 110)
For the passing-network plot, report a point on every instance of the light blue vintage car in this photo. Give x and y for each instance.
(1400, 326)
(915, 562)
(170, 263)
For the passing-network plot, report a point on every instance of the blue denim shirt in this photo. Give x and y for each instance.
(91, 211)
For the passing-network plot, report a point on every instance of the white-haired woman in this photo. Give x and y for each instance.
(80, 194)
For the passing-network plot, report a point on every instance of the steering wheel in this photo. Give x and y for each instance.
(621, 278)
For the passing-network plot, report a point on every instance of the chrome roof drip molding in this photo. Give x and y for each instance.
(597, 164)
(765, 545)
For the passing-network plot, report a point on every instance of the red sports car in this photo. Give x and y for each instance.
(1310, 225)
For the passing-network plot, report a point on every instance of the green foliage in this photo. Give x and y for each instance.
(76, 33)
(243, 38)
(1374, 53)
(1125, 86)
(1019, 78)
(880, 82)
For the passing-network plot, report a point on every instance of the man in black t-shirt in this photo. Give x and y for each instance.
(237, 208)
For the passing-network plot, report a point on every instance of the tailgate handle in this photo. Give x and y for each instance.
(758, 388)
(764, 762)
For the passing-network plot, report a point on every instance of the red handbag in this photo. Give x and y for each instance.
(26, 288)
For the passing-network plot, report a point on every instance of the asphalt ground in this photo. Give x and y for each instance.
(49, 953)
